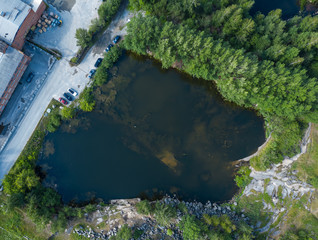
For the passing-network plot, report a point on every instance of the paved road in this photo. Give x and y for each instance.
(58, 81)
(61, 78)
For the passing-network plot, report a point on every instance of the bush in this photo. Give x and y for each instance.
(54, 121)
(83, 37)
(192, 228)
(101, 76)
(243, 178)
(183, 208)
(164, 213)
(96, 26)
(90, 208)
(123, 234)
(143, 207)
(74, 60)
(169, 232)
(68, 112)
(108, 9)
(87, 102)
(14, 200)
(60, 223)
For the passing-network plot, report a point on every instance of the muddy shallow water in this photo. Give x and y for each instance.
(153, 132)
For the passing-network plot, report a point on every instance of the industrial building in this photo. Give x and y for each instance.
(13, 64)
(16, 19)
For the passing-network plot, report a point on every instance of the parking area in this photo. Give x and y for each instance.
(30, 100)
(25, 91)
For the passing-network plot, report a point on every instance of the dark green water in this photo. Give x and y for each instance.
(153, 131)
(289, 7)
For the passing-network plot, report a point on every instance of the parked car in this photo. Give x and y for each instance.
(30, 77)
(98, 62)
(68, 96)
(63, 101)
(109, 47)
(116, 39)
(92, 73)
(73, 92)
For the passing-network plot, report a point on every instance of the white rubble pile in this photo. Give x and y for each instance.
(280, 176)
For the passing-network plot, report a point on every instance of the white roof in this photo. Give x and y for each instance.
(33, 3)
(9, 62)
(12, 15)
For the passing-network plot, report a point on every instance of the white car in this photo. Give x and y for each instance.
(73, 92)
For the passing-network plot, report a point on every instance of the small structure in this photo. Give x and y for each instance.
(13, 64)
(16, 19)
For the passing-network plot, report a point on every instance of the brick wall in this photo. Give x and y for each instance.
(14, 82)
(29, 21)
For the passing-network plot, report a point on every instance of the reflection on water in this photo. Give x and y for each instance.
(153, 131)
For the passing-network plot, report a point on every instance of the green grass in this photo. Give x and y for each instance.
(299, 219)
(15, 225)
(307, 164)
(253, 208)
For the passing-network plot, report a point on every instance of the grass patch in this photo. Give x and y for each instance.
(307, 164)
(252, 206)
(15, 225)
(285, 141)
(300, 222)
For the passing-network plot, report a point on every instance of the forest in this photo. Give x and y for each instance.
(259, 62)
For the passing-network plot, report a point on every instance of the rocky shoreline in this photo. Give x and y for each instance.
(125, 213)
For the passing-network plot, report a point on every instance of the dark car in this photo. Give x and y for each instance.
(63, 101)
(109, 47)
(68, 96)
(30, 77)
(92, 73)
(116, 39)
(98, 62)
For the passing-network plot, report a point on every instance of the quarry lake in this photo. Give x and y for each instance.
(153, 132)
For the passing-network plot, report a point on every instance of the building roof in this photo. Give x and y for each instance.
(33, 3)
(12, 15)
(9, 61)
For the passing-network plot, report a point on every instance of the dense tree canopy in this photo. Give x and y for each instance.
(261, 62)
(272, 87)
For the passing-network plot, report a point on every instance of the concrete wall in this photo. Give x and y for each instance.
(14, 82)
(30, 20)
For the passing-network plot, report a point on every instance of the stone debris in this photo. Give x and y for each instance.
(123, 211)
(280, 182)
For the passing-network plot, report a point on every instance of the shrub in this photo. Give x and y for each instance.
(68, 112)
(164, 213)
(54, 121)
(60, 223)
(169, 232)
(108, 9)
(183, 208)
(83, 37)
(90, 208)
(123, 234)
(144, 207)
(74, 60)
(87, 102)
(192, 228)
(101, 76)
(243, 178)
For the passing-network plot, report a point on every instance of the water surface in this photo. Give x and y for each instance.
(289, 7)
(153, 131)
